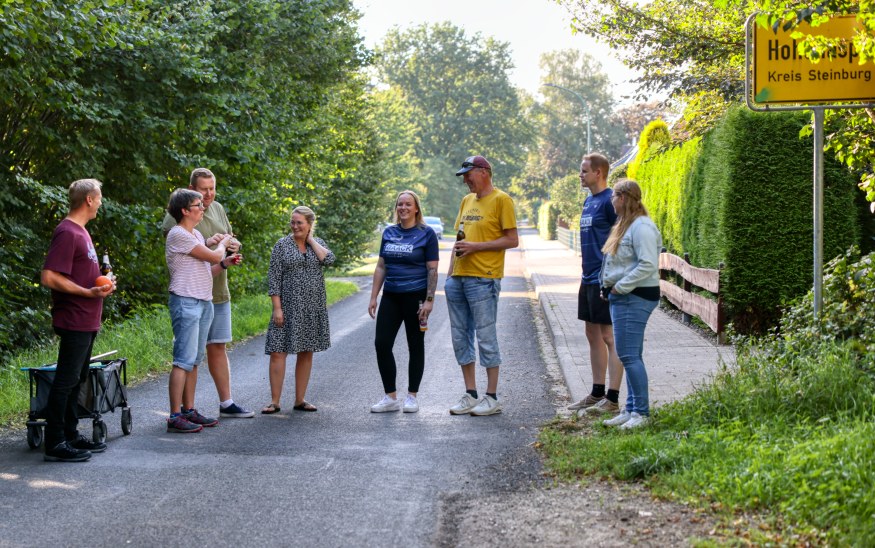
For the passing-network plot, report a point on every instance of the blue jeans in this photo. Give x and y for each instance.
(629, 315)
(473, 306)
(191, 319)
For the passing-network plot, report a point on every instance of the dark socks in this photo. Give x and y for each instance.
(598, 390)
(472, 393)
(493, 396)
(613, 396)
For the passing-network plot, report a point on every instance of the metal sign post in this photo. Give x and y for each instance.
(778, 78)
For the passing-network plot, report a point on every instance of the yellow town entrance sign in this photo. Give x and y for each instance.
(781, 75)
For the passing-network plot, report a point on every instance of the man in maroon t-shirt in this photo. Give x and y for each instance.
(70, 271)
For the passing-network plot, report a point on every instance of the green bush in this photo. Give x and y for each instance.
(567, 197)
(547, 216)
(753, 198)
(654, 138)
(665, 180)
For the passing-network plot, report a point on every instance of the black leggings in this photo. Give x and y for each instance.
(396, 308)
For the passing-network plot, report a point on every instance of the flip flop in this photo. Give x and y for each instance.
(271, 409)
(305, 406)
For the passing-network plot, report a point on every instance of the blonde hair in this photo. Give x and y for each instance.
(631, 209)
(81, 189)
(419, 220)
(306, 212)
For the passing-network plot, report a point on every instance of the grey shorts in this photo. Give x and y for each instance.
(220, 329)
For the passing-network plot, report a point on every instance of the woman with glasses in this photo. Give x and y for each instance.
(192, 265)
(299, 322)
(407, 274)
(630, 282)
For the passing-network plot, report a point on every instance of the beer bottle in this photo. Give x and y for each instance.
(106, 267)
(423, 322)
(460, 235)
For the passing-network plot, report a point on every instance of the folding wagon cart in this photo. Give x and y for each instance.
(104, 391)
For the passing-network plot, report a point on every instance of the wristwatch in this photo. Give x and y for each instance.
(430, 298)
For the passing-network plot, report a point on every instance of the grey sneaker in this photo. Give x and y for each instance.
(487, 406)
(411, 405)
(588, 401)
(464, 406)
(194, 417)
(386, 405)
(622, 418)
(234, 411)
(604, 406)
(179, 425)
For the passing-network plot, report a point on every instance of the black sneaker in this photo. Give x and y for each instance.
(63, 452)
(85, 444)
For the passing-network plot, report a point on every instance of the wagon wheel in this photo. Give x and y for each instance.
(34, 436)
(127, 421)
(98, 433)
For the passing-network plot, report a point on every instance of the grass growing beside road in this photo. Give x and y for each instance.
(145, 339)
(787, 434)
(790, 439)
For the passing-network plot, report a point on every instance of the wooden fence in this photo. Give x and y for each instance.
(709, 310)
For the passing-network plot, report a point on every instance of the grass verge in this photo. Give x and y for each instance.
(791, 441)
(145, 338)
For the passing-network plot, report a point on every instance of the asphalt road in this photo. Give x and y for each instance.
(339, 477)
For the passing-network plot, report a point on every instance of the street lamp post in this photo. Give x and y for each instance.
(586, 107)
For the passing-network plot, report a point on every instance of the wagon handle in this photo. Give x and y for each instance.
(105, 354)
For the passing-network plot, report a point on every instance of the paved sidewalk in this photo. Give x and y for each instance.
(677, 358)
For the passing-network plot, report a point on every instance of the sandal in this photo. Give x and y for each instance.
(304, 406)
(271, 409)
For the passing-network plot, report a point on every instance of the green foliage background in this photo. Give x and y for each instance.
(267, 93)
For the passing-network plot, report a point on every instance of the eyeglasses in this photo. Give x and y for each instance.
(471, 164)
(199, 204)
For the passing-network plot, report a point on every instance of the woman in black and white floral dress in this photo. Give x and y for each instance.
(299, 323)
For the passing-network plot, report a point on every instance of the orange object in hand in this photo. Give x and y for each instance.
(102, 281)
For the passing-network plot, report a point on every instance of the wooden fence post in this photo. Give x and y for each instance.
(721, 314)
(688, 287)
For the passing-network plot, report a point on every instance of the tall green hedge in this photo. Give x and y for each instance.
(743, 196)
(547, 217)
(665, 181)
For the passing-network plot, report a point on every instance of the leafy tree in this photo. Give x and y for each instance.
(695, 52)
(562, 122)
(137, 93)
(458, 94)
(634, 117)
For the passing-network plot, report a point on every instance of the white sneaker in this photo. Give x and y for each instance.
(487, 406)
(622, 418)
(386, 404)
(635, 421)
(465, 405)
(410, 404)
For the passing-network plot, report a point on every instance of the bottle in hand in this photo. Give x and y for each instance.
(423, 322)
(460, 235)
(106, 267)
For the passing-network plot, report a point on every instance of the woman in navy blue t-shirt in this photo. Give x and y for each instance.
(407, 273)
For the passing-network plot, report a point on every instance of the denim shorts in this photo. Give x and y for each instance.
(191, 319)
(473, 307)
(220, 329)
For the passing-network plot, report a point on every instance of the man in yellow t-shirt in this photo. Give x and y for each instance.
(487, 218)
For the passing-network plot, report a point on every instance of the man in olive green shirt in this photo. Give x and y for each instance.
(215, 221)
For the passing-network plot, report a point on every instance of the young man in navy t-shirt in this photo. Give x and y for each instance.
(596, 220)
